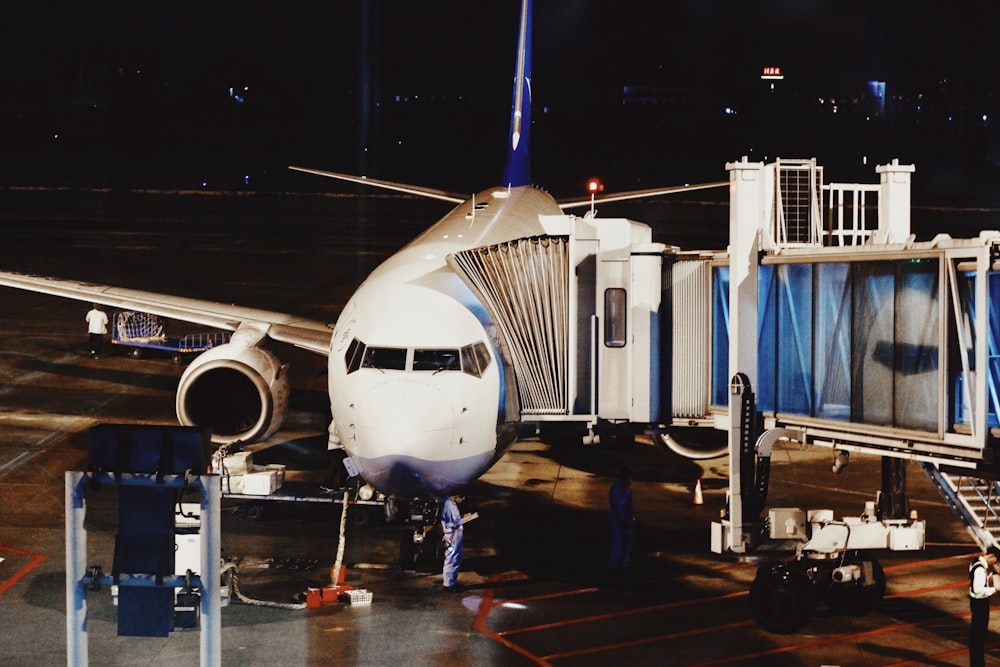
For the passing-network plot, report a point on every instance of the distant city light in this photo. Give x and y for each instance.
(239, 98)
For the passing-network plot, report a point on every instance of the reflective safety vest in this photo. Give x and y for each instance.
(977, 564)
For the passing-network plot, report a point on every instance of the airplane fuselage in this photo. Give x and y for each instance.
(415, 374)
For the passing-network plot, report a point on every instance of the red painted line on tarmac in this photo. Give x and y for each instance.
(930, 589)
(646, 640)
(486, 605)
(553, 596)
(916, 563)
(937, 656)
(36, 560)
(830, 640)
(627, 612)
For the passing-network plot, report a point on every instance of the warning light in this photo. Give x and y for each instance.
(594, 186)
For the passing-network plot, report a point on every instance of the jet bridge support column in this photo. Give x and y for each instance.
(894, 201)
(748, 212)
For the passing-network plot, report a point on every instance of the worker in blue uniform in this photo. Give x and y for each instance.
(980, 591)
(622, 521)
(452, 523)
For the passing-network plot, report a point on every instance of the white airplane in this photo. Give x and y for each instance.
(415, 372)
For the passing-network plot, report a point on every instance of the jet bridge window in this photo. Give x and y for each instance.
(614, 317)
(436, 360)
(475, 359)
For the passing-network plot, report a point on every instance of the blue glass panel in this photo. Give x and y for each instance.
(767, 339)
(832, 347)
(873, 349)
(993, 351)
(967, 288)
(720, 336)
(794, 338)
(916, 341)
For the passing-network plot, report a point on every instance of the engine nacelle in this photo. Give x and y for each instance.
(239, 391)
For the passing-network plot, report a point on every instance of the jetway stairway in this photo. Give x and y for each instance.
(976, 501)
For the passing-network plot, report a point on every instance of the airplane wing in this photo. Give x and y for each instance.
(307, 334)
(641, 194)
(458, 198)
(388, 185)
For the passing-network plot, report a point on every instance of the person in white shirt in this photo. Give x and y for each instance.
(980, 591)
(97, 327)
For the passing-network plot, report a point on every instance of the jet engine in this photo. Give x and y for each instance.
(238, 390)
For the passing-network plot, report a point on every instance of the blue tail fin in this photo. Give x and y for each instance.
(518, 172)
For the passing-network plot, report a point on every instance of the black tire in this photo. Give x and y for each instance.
(616, 437)
(358, 516)
(254, 511)
(782, 598)
(857, 598)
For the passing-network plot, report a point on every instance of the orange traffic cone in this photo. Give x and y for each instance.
(698, 498)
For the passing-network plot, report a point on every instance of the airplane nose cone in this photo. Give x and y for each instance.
(406, 418)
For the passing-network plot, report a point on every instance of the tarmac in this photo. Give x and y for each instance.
(534, 587)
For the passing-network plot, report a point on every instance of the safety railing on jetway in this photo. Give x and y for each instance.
(974, 500)
(847, 206)
(797, 218)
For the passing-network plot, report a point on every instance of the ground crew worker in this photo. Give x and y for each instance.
(452, 523)
(980, 590)
(622, 521)
(97, 327)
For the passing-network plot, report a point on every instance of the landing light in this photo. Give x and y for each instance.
(366, 492)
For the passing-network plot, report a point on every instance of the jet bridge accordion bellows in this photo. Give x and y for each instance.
(524, 285)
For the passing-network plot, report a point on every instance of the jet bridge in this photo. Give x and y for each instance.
(823, 323)
(845, 332)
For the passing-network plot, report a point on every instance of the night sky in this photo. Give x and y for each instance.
(222, 91)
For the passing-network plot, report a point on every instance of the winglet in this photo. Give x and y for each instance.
(517, 171)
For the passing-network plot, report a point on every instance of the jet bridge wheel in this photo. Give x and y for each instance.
(859, 596)
(782, 598)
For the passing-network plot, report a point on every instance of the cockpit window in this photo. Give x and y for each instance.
(385, 358)
(475, 359)
(436, 360)
(355, 351)
(472, 359)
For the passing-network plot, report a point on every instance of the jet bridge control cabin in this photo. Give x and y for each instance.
(578, 318)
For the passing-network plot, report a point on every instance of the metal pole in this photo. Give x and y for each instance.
(211, 571)
(76, 568)
(335, 572)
